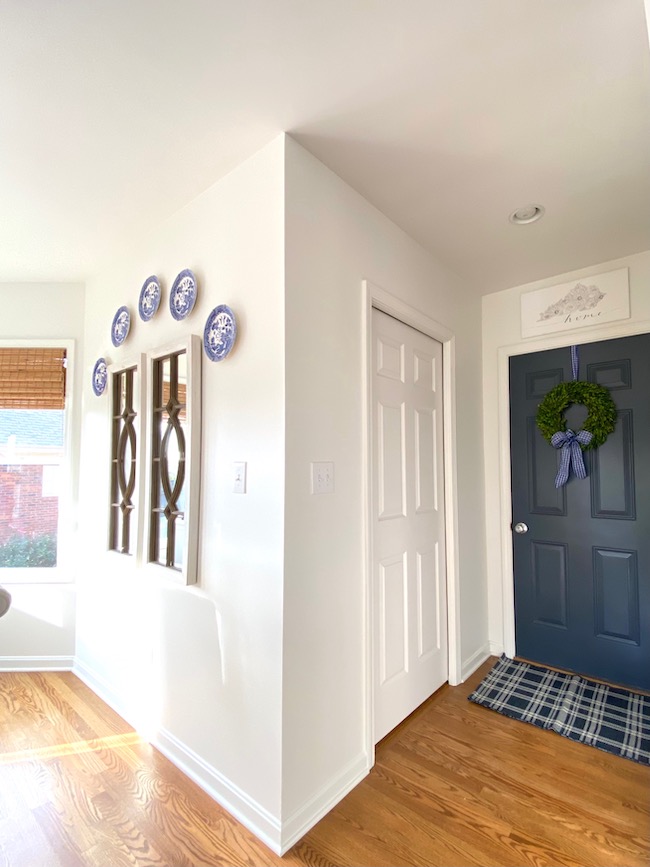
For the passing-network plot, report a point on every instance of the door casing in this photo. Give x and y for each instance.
(375, 296)
(609, 332)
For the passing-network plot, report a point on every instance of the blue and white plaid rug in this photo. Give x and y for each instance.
(607, 717)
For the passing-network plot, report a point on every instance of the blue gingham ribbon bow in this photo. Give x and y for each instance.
(571, 456)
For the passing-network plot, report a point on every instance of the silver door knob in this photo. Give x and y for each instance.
(521, 528)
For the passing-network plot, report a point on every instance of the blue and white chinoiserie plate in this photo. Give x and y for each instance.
(100, 376)
(183, 295)
(219, 333)
(120, 326)
(149, 298)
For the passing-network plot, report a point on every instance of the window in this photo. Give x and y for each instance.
(174, 459)
(33, 457)
(125, 459)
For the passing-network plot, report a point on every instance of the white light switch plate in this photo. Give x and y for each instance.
(322, 477)
(239, 483)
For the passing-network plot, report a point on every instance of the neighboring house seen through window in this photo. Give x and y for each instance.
(32, 453)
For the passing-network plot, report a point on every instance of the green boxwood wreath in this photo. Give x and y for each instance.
(600, 422)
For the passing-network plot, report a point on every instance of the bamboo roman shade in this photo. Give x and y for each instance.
(181, 390)
(32, 377)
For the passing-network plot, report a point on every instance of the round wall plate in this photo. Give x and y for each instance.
(100, 376)
(183, 295)
(121, 325)
(149, 301)
(219, 333)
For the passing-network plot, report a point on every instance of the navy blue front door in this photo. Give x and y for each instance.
(582, 569)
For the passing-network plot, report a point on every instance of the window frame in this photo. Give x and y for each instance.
(138, 363)
(188, 573)
(64, 571)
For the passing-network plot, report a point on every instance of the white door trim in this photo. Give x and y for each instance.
(375, 296)
(609, 332)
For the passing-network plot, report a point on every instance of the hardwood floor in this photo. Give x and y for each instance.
(455, 784)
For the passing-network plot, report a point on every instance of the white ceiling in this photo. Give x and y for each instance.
(446, 114)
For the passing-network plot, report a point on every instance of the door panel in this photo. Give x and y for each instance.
(428, 589)
(543, 497)
(612, 472)
(391, 480)
(408, 521)
(550, 582)
(582, 571)
(393, 618)
(616, 595)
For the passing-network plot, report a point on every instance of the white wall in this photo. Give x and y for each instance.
(502, 337)
(335, 240)
(38, 631)
(200, 666)
(253, 680)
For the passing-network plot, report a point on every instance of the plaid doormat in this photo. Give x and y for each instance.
(607, 717)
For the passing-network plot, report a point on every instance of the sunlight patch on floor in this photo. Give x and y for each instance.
(110, 742)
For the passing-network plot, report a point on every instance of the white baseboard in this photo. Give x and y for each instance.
(475, 660)
(36, 663)
(303, 819)
(223, 791)
(277, 835)
(496, 648)
(105, 691)
(256, 818)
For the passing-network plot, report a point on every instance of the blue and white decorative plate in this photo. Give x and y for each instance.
(219, 333)
(183, 295)
(100, 376)
(120, 326)
(149, 298)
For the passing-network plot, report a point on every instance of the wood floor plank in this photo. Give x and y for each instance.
(483, 837)
(407, 819)
(579, 767)
(454, 785)
(516, 740)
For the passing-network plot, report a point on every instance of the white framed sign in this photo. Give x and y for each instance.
(590, 301)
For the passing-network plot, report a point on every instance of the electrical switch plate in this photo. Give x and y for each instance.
(322, 477)
(239, 484)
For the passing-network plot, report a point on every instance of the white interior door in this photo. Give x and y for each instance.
(409, 574)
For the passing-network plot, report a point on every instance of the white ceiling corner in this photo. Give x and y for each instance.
(445, 115)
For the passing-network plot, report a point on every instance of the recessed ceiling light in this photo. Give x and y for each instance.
(527, 214)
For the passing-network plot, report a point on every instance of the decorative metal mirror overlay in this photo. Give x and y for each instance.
(167, 517)
(123, 461)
